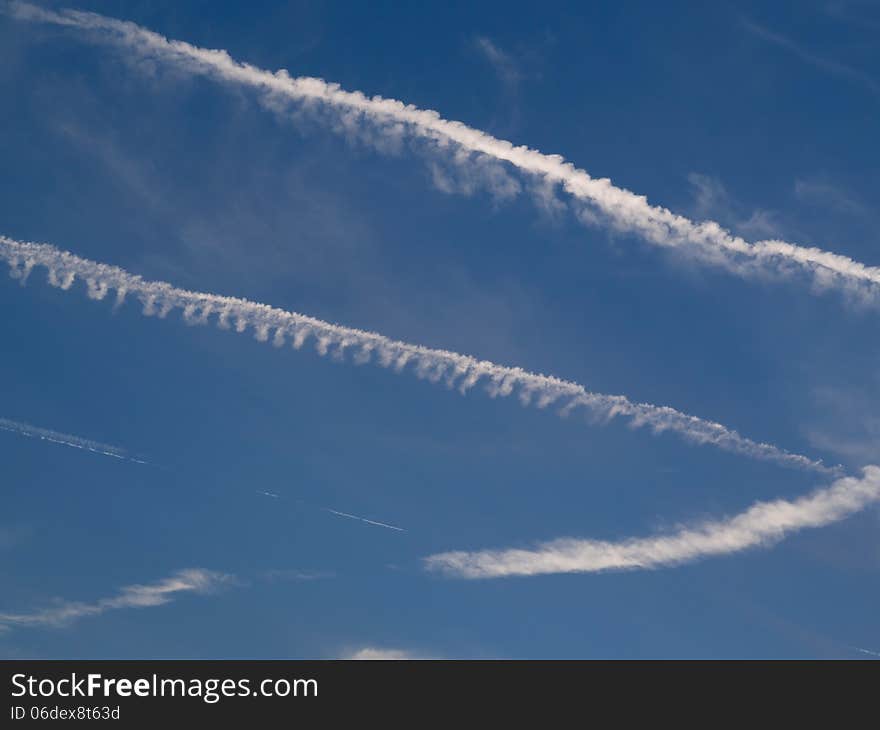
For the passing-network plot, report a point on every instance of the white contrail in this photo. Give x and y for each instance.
(393, 120)
(865, 651)
(66, 439)
(372, 653)
(337, 513)
(453, 369)
(196, 580)
(363, 519)
(764, 523)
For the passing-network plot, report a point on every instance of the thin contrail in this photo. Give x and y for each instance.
(363, 519)
(62, 613)
(336, 512)
(66, 439)
(764, 523)
(392, 120)
(455, 370)
(865, 651)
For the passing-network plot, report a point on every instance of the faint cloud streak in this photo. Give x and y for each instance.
(374, 653)
(504, 65)
(829, 65)
(192, 580)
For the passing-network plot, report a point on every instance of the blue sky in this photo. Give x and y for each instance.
(761, 118)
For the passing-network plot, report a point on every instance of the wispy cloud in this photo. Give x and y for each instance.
(502, 63)
(193, 580)
(831, 196)
(764, 523)
(712, 200)
(828, 65)
(454, 370)
(388, 123)
(865, 651)
(66, 439)
(849, 422)
(373, 653)
(288, 575)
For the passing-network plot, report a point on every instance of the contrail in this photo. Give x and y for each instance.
(363, 519)
(455, 370)
(192, 580)
(66, 439)
(865, 651)
(392, 121)
(337, 513)
(764, 523)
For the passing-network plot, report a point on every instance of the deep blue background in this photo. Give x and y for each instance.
(185, 180)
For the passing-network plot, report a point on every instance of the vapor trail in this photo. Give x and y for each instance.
(764, 523)
(453, 369)
(62, 613)
(66, 439)
(363, 519)
(865, 651)
(388, 119)
(337, 513)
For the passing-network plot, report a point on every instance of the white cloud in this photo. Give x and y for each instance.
(502, 62)
(193, 580)
(372, 652)
(387, 122)
(866, 651)
(454, 370)
(764, 523)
